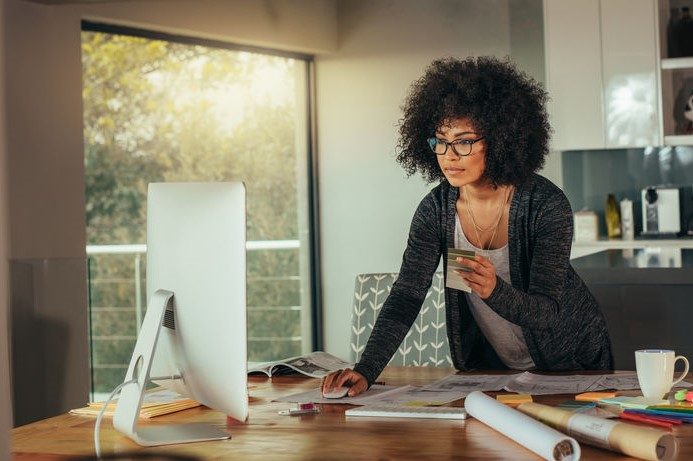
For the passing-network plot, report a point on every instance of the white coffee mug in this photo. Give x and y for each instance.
(655, 368)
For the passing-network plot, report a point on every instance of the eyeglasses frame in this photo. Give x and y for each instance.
(452, 144)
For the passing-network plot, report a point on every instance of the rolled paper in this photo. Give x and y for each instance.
(528, 432)
(637, 441)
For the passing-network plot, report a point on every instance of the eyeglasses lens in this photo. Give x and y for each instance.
(440, 147)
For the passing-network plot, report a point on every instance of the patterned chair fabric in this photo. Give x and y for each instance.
(426, 343)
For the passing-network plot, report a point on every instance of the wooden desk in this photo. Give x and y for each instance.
(328, 435)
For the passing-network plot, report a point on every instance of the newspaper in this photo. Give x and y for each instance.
(470, 383)
(627, 381)
(536, 384)
(412, 396)
(529, 383)
(454, 387)
(315, 396)
(316, 365)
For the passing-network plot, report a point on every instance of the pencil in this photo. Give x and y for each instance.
(646, 420)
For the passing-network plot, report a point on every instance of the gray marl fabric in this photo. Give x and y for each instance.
(560, 319)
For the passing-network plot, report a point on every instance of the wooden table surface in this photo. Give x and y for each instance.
(324, 436)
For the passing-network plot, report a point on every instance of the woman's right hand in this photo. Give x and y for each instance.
(354, 380)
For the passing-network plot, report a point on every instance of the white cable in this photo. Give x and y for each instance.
(97, 426)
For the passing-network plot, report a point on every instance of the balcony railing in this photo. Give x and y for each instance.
(117, 306)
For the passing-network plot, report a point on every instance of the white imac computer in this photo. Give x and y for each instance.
(195, 325)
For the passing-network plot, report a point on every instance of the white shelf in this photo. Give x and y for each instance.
(679, 140)
(677, 63)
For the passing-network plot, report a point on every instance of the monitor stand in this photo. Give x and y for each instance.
(130, 400)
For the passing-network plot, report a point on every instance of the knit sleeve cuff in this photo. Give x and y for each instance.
(368, 372)
(498, 292)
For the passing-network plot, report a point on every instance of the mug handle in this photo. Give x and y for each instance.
(685, 371)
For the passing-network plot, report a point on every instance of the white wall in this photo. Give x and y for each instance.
(5, 403)
(366, 202)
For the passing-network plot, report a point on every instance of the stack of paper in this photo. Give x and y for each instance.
(156, 402)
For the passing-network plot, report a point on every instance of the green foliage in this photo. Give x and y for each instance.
(158, 111)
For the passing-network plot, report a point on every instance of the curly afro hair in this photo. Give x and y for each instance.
(502, 103)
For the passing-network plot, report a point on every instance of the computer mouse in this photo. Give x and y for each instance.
(336, 393)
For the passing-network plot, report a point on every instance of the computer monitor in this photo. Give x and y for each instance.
(195, 324)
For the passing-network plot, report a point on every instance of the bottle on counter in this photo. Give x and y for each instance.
(627, 221)
(585, 225)
(613, 217)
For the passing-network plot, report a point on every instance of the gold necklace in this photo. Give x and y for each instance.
(494, 225)
(471, 214)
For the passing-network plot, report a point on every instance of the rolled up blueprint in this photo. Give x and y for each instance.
(639, 442)
(528, 432)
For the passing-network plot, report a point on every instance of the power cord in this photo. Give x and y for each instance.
(97, 426)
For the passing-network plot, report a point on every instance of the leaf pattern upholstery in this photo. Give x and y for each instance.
(426, 343)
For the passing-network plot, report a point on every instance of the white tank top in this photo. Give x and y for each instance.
(505, 337)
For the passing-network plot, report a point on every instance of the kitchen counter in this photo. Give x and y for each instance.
(645, 295)
(649, 266)
(583, 248)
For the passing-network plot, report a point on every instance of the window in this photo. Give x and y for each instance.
(165, 108)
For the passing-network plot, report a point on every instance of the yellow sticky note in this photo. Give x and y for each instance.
(594, 396)
(514, 399)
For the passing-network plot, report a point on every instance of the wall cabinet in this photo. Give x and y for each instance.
(602, 73)
(572, 48)
(676, 71)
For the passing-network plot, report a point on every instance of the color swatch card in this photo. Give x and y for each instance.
(455, 280)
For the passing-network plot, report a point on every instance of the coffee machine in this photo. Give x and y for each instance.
(667, 211)
(661, 211)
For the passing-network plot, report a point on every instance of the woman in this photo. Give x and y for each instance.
(479, 126)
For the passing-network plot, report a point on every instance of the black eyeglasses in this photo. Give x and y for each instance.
(461, 147)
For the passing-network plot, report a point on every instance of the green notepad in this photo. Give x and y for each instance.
(639, 402)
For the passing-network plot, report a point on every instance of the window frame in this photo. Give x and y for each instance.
(313, 218)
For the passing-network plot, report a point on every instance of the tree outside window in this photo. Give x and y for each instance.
(157, 111)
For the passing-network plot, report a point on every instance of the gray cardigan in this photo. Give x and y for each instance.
(560, 319)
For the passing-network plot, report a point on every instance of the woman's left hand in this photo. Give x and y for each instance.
(482, 278)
